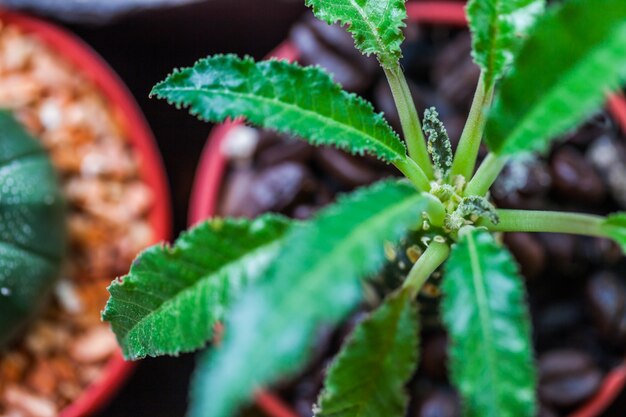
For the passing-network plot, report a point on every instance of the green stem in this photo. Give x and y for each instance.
(486, 175)
(547, 221)
(414, 173)
(469, 144)
(409, 119)
(431, 259)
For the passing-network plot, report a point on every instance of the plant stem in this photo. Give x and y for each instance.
(414, 173)
(467, 151)
(547, 221)
(486, 175)
(409, 119)
(431, 259)
(435, 210)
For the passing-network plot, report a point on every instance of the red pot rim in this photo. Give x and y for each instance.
(206, 192)
(151, 170)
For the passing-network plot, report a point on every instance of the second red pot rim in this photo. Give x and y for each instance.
(209, 175)
(95, 69)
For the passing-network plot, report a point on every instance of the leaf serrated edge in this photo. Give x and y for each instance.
(379, 122)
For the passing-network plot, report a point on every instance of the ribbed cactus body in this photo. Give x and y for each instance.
(32, 226)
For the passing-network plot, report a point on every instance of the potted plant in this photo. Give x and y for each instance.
(65, 111)
(309, 273)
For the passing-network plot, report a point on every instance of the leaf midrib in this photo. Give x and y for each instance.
(482, 301)
(556, 89)
(494, 32)
(370, 25)
(310, 113)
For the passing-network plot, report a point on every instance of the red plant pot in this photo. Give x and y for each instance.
(151, 170)
(206, 192)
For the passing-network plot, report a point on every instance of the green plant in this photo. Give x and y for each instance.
(32, 226)
(274, 281)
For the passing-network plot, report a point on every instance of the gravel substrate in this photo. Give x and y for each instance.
(67, 348)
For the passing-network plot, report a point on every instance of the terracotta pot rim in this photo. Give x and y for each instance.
(210, 172)
(151, 170)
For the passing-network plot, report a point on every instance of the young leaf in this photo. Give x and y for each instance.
(316, 280)
(367, 379)
(472, 208)
(575, 55)
(438, 143)
(488, 323)
(284, 97)
(376, 25)
(173, 296)
(498, 28)
(615, 227)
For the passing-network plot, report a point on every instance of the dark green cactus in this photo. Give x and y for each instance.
(32, 226)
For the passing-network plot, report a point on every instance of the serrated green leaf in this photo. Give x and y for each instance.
(316, 280)
(284, 97)
(376, 25)
(488, 323)
(173, 296)
(367, 378)
(614, 227)
(439, 146)
(499, 27)
(575, 55)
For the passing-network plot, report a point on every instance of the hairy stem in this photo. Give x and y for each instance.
(409, 119)
(467, 151)
(546, 221)
(431, 259)
(414, 173)
(486, 175)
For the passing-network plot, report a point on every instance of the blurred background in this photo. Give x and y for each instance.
(143, 46)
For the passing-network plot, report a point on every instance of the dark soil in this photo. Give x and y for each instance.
(576, 293)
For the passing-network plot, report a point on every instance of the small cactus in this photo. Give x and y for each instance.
(32, 227)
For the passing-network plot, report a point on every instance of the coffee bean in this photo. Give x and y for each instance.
(434, 357)
(287, 150)
(304, 212)
(606, 297)
(567, 378)
(599, 125)
(557, 319)
(528, 251)
(268, 138)
(574, 178)
(339, 40)
(351, 75)
(522, 184)
(455, 74)
(561, 252)
(348, 170)
(236, 191)
(608, 156)
(598, 251)
(439, 403)
(544, 411)
(275, 189)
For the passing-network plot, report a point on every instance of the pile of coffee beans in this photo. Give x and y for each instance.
(576, 293)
